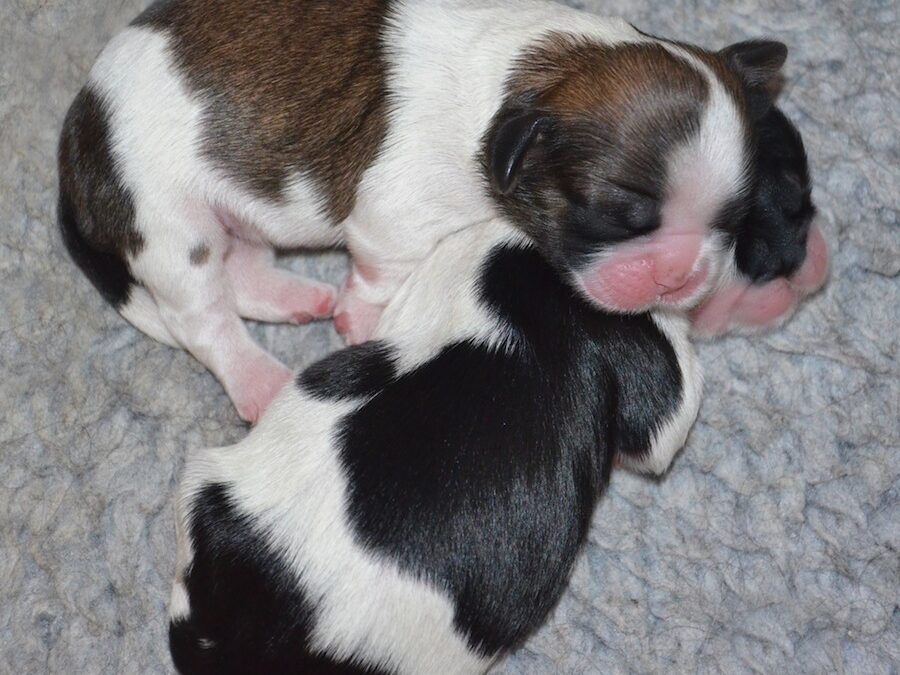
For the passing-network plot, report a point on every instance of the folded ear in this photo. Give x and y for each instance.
(512, 135)
(758, 63)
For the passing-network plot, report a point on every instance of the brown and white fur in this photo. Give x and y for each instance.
(211, 132)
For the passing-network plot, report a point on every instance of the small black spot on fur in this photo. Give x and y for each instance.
(199, 255)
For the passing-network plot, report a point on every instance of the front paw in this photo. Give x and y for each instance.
(355, 320)
(744, 307)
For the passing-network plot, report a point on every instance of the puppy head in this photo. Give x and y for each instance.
(628, 164)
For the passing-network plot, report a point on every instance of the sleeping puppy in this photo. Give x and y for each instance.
(780, 253)
(212, 131)
(415, 504)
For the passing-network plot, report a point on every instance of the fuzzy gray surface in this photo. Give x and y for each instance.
(772, 545)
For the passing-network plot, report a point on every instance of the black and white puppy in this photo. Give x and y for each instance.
(780, 254)
(211, 131)
(415, 504)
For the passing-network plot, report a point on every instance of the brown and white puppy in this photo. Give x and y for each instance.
(212, 131)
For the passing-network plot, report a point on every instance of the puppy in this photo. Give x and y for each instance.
(415, 504)
(211, 131)
(780, 253)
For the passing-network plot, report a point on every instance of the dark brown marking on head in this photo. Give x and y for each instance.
(594, 169)
(96, 209)
(199, 255)
(290, 87)
(750, 71)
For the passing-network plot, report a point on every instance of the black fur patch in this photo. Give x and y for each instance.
(96, 210)
(357, 371)
(249, 613)
(480, 470)
(771, 242)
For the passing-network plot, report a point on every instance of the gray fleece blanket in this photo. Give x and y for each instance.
(771, 546)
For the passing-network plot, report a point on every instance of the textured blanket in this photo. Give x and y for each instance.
(773, 545)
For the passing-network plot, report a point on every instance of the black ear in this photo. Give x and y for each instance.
(514, 132)
(758, 63)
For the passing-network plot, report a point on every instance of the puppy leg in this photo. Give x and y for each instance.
(356, 315)
(197, 305)
(264, 293)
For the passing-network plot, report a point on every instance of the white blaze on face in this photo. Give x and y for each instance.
(710, 169)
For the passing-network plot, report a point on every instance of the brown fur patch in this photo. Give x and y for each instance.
(632, 101)
(614, 113)
(573, 75)
(290, 87)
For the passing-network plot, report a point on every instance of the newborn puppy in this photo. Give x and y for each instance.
(780, 253)
(415, 504)
(211, 131)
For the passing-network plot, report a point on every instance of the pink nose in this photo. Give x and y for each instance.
(669, 283)
(687, 286)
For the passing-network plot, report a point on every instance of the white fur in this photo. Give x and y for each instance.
(447, 63)
(438, 305)
(712, 167)
(672, 434)
(287, 475)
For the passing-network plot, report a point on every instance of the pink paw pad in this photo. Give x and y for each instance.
(305, 303)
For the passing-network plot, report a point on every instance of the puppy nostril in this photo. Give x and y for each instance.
(672, 282)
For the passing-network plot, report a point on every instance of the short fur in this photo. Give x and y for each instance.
(780, 252)
(772, 240)
(284, 123)
(416, 504)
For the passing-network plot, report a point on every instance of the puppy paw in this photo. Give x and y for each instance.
(256, 384)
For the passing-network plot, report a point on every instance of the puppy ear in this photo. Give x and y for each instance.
(512, 134)
(758, 63)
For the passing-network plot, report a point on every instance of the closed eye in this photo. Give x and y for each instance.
(634, 189)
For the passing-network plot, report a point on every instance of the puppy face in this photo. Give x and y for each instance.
(628, 165)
